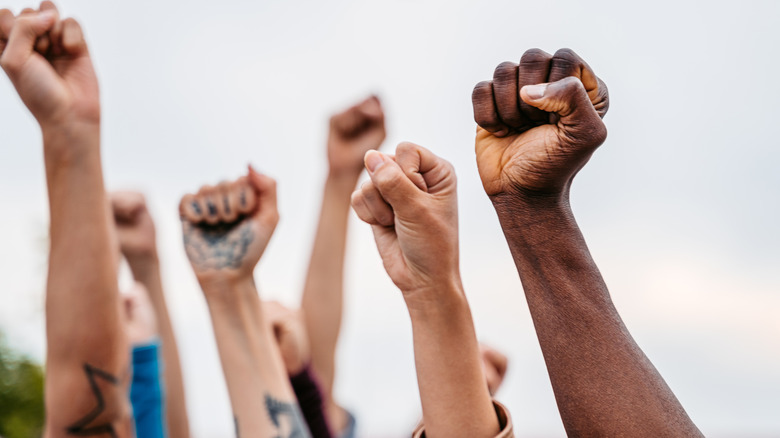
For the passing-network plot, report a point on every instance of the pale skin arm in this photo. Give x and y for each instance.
(603, 382)
(411, 204)
(136, 232)
(226, 229)
(87, 363)
(352, 132)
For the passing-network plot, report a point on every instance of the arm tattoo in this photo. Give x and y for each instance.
(278, 410)
(84, 426)
(235, 422)
(218, 246)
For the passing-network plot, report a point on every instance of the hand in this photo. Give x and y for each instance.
(353, 133)
(48, 62)
(226, 228)
(290, 334)
(411, 204)
(140, 319)
(134, 225)
(539, 123)
(494, 364)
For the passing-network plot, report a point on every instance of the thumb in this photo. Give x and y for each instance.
(395, 187)
(569, 100)
(265, 188)
(21, 42)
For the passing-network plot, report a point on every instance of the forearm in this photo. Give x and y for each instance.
(603, 382)
(85, 336)
(257, 382)
(455, 398)
(146, 270)
(322, 300)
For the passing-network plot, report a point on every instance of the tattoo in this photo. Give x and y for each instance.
(212, 208)
(242, 198)
(218, 246)
(196, 208)
(278, 410)
(235, 422)
(84, 426)
(226, 202)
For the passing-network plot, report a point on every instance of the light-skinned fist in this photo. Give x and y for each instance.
(495, 365)
(48, 62)
(353, 132)
(290, 334)
(539, 122)
(411, 204)
(134, 225)
(227, 227)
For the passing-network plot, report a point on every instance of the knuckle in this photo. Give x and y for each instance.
(535, 55)
(505, 71)
(567, 54)
(481, 89)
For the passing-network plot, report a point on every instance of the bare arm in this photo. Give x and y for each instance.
(87, 364)
(411, 204)
(528, 154)
(352, 133)
(136, 232)
(226, 230)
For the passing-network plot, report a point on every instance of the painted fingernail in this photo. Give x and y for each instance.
(374, 161)
(535, 91)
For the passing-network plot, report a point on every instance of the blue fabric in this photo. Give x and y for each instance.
(146, 392)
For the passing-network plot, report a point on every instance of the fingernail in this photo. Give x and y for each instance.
(535, 91)
(374, 161)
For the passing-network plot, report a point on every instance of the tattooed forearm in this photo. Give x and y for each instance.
(287, 417)
(218, 246)
(86, 426)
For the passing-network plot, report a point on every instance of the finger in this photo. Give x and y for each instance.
(391, 182)
(207, 197)
(498, 360)
(73, 42)
(222, 202)
(506, 94)
(6, 24)
(567, 63)
(247, 200)
(534, 68)
(230, 202)
(25, 32)
(126, 205)
(190, 208)
(358, 202)
(371, 109)
(27, 11)
(427, 170)
(568, 99)
(265, 189)
(356, 118)
(377, 206)
(485, 112)
(44, 42)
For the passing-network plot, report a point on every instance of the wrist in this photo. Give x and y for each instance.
(435, 297)
(143, 264)
(228, 289)
(344, 180)
(68, 142)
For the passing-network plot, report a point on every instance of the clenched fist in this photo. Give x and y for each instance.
(411, 203)
(134, 225)
(48, 62)
(539, 123)
(290, 334)
(227, 227)
(354, 132)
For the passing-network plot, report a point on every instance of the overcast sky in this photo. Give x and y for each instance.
(679, 206)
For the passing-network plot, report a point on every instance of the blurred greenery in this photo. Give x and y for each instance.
(21, 395)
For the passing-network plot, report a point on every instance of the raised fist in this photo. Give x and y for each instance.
(226, 228)
(140, 318)
(539, 122)
(47, 60)
(494, 364)
(412, 206)
(290, 334)
(354, 132)
(134, 225)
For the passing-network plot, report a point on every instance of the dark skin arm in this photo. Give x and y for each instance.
(532, 141)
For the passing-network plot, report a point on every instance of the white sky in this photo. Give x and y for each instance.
(679, 206)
